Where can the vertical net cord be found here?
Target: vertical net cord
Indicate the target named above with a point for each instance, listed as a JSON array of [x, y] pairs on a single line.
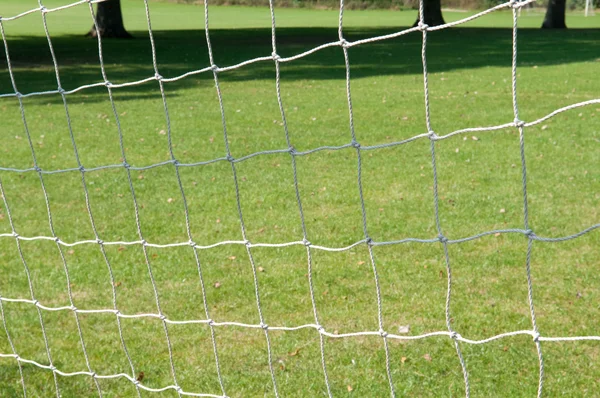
[[368, 240], [101, 243], [184, 201], [22, 257], [85, 190], [443, 239], [520, 125], [298, 200], [2, 314], [263, 325]]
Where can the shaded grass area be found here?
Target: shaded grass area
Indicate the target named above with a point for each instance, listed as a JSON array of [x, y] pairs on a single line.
[[479, 190]]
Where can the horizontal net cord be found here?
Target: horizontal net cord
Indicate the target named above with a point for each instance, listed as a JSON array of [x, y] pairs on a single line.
[[292, 151], [529, 233], [216, 69], [319, 328]]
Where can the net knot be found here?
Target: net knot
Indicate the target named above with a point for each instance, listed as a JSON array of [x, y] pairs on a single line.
[[536, 336], [37, 168], [18, 94], [192, 243], [230, 158], [117, 313], [519, 123], [247, 243], [275, 56], [529, 233], [126, 165], [455, 336], [344, 43], [81, 168], [320, 329], [16, 235], [423, 26], [514, 4], [442, 238], [93, 375], [36, 303], [143, 242], [73, 308], [292, 150], [432, 135], [214, 68], [369, 241], [162, 317], [99, 241], [158, 77], [211, 322], [43, 10], [108, 84], [264, 326], [383, 333], [60, 90], [306, 242], [57, 240], [175, 162], [178, 389], [355, 144], [52, 367]]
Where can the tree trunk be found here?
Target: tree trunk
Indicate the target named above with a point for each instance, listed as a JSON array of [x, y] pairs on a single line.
[[432, 13], [110, 21], [555, 15]]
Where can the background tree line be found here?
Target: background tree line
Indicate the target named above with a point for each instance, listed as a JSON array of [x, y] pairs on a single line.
[[109, 18]]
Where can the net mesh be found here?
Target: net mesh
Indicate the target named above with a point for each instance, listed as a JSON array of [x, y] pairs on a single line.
[[196, 247]]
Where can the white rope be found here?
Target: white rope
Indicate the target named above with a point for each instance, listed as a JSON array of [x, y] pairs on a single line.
[[196, 248]]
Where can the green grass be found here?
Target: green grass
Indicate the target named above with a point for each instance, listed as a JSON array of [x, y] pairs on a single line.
[[470, 85]]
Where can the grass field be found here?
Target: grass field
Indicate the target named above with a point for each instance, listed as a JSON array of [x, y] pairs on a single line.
[[479, 190]]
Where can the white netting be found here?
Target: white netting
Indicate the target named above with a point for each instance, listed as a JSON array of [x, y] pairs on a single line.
[[196, 247]]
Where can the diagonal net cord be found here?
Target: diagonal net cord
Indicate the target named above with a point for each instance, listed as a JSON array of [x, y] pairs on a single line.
[[263, 325], [424, 28], [368, 240], [305, 240], [520, 125], [184, 201]]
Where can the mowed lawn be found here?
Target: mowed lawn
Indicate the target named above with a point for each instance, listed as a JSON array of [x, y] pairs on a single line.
[[479, 183]]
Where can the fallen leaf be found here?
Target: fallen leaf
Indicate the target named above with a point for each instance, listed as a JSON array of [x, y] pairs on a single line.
[[294, 353], [261, 269], [349, 387], [170, 200], [403, 359], [427, 357], [117, 284], [218, 220], [502, 211], [497, 234], [360, 262], [404, 329], [441, 274], [474, 138], [71, 251], [217, 285], [544, 127], [231, 257], [140, 177], [162, 132], [505, 348], [140, 376], [121, 248]]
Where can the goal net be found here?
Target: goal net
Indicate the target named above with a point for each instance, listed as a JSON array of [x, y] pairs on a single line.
[[16, 308]]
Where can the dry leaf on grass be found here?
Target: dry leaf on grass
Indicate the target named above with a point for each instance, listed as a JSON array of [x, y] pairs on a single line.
[[427, 357]]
